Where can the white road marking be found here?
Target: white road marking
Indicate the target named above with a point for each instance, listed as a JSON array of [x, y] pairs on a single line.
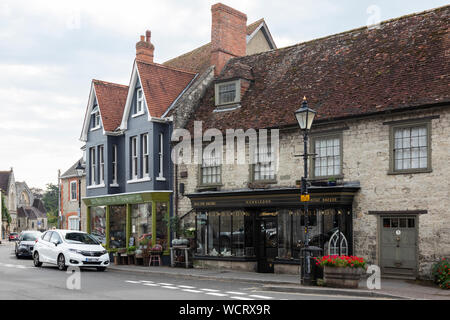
[[165, 284], [129, 281], [192, 291], [210, 290], [187, 287], [145, 281], [151, 284], [242, 298], [217, 294], [169, 287], [238, 293], [260, 297]]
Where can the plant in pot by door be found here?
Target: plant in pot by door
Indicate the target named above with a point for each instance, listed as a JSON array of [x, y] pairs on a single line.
[[342, 271], [116, 256], [123, 255], [131, 251]]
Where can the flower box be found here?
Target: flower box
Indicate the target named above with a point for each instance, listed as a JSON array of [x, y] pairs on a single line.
[[342, 271]]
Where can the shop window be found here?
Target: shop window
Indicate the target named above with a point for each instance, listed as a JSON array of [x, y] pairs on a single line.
[[117, 227], [284, 234], [141, 223], [98, 223], [201, 233], [161, 225], [213, 235], [238, 244], [226, 237]]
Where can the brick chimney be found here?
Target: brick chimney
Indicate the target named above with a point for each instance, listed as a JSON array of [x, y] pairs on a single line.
[[145, 49], [228, 35]]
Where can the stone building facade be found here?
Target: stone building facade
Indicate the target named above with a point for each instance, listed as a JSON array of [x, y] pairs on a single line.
[[373, 90]]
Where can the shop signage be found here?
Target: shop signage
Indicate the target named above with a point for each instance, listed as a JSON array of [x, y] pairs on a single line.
[[105, 201]]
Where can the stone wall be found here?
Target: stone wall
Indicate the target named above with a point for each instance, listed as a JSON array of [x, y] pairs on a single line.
[[366, 159]]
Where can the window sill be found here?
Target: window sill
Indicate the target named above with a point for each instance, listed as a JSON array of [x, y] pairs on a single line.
[[114, 185], [146, 179], [160, 179], [97, 186], [95, 129], [257, 182], [227, 107], [393, 173], [138, 114]]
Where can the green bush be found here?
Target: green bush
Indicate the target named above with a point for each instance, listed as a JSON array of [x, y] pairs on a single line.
[[441, 273]]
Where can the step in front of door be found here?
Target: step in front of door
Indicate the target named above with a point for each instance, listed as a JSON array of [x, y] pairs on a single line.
[[398, 273]]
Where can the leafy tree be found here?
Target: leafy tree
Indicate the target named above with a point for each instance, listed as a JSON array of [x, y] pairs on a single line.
[[50, 199], [5, 213]]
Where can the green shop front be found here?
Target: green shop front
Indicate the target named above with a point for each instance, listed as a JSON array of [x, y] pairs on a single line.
[[264, 230], [131, 220]]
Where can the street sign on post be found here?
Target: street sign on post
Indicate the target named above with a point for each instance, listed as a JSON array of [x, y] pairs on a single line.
[[305, 198]]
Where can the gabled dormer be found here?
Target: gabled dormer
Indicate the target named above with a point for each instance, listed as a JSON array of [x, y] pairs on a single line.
[[231, 86]]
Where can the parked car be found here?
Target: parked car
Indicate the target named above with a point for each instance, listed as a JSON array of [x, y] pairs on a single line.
[[13, 236], [65, 248], [24, 246]]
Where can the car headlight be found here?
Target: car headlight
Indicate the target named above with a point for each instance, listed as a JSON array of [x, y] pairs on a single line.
[[75, 251]]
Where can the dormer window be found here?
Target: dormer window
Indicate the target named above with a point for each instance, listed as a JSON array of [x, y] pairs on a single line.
[[228, 94], [139, 102], [95, 118]]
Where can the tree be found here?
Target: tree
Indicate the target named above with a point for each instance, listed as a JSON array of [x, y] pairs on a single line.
[[50, 199], [5, 213]]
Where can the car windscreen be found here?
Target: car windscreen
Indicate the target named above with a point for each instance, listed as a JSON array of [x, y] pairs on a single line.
[[29, 236], [80, 238]]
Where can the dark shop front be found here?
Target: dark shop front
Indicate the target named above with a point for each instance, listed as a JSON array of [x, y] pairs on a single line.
[[264, 230]]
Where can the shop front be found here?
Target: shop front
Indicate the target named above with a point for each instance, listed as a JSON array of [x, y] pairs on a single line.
[[264, 230], [125, 220]]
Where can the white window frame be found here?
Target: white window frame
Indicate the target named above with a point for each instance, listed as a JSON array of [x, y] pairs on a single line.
[[264, 169], [145, 156], [326, 158], [73, 221], [97, 120], [71, 190], [139, 103], [93, 165], [101, 155], [161, 158], [134, 158], [237, 97], [114, 164], [211, 169]]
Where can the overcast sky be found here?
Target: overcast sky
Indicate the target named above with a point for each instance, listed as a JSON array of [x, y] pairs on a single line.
[[50, 51]]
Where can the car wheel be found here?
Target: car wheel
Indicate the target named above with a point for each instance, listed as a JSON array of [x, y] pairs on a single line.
[[101, 268], [62, 263], [36, 261]]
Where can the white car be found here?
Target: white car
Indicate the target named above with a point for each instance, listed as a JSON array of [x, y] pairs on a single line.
[[66, 248]]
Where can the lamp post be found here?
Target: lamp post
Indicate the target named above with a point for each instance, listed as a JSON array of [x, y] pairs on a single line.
[[305, 117], [80, 171]]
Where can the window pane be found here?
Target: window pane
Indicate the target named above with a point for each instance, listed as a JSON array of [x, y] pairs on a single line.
[[161, 226], [284, 234], [225, 235], [117, 227], [201, 234], [98, 223], [141, 223], [213, 235], [238, 243]]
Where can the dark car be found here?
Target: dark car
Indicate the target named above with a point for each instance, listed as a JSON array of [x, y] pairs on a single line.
[[25, 243], [13, 236]]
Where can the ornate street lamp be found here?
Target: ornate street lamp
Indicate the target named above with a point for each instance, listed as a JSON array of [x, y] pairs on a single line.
[[80, 170], [305, 117]]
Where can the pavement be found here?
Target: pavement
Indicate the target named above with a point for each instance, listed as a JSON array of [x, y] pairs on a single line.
[[390, 288]]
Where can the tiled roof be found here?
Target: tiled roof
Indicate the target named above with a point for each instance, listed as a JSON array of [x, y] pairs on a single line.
[[404, 63], [111, 99], [72, 172], [162, 85], [4, 180], [198, 60]]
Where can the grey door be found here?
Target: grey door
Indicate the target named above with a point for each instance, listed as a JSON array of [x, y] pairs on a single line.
[[398, 248]]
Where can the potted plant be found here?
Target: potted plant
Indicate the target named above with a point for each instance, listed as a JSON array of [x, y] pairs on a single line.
[[142, 256], [122, 255], [342, 271], [116, 256], [332, 181], [131, 251]]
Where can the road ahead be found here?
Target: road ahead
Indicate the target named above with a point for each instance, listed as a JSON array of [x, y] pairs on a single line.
[[19, 279]]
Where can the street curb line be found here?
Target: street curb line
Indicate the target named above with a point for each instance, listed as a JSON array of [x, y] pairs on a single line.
[[331, 291], [328, 291]]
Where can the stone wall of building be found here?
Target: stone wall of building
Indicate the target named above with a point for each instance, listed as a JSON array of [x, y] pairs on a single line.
[[366, 159], [70, 208]]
